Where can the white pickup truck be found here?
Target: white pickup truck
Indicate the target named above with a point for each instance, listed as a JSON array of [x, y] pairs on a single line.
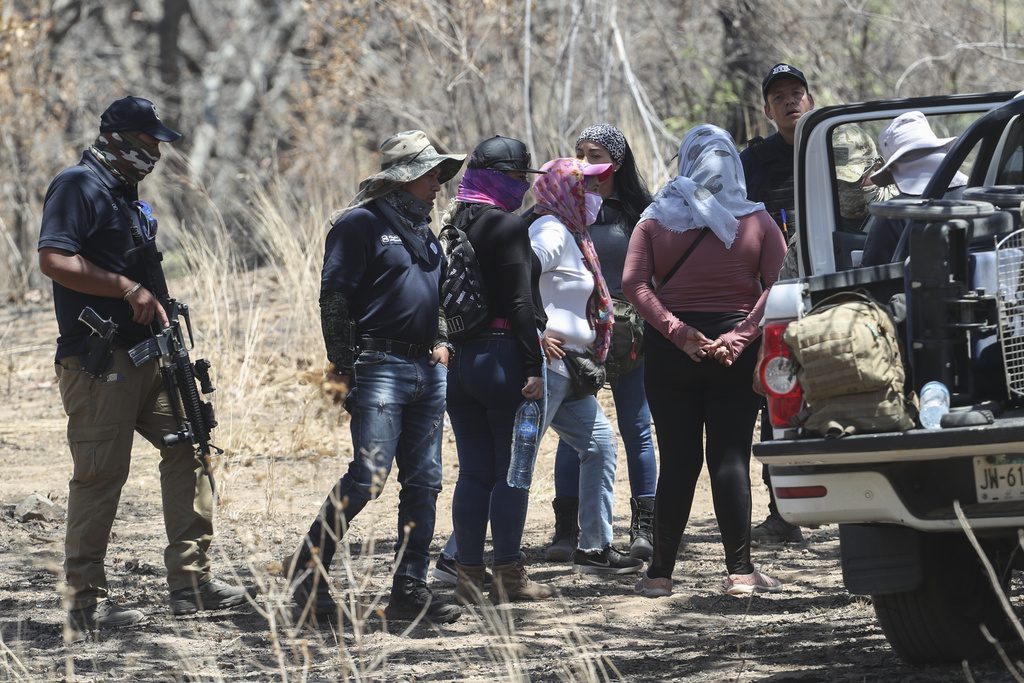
[[960, 278]]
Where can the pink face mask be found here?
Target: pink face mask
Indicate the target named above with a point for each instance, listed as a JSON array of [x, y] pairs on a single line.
[[592, 202]]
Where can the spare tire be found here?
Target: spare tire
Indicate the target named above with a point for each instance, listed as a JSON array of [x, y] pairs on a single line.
[[930, 210], [1003, 196]]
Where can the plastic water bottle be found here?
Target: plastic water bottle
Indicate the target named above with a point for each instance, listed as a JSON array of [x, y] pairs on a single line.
[[934, 404], [525, 441]]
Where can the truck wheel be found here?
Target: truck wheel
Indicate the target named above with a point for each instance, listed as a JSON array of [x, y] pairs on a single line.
[[940, 620], [930, 209]]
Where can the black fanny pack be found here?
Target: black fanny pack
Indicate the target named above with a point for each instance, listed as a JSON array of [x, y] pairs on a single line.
[[586, 376]]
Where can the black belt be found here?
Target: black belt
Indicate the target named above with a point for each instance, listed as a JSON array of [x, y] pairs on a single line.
[[398, 348]]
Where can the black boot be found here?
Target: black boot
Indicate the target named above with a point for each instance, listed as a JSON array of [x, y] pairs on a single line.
[[411, 600], [308, 585], [567, 530], [641, 528], [774, 530]]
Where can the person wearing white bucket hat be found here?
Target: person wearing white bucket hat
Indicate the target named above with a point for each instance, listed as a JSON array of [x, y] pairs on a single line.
[[912, 153]]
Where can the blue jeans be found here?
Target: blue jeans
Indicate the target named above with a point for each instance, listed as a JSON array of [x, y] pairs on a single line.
[[484, 391], [397, 408], [583, 426], [634, 419]]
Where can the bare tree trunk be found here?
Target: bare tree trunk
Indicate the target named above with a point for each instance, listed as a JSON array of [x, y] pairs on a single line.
[[170, 70], [527, 109], [745, 49]]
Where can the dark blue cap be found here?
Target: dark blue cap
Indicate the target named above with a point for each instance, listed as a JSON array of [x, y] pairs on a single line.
[[781, 71], [136, 114]]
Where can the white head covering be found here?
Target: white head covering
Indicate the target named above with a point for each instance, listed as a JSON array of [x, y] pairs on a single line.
[[912, 153], [709, 191]]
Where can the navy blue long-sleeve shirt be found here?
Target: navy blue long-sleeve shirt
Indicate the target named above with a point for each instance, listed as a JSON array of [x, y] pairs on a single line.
[[389, 292]]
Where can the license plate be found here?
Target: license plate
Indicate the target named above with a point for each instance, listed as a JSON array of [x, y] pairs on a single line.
[[999, 477]]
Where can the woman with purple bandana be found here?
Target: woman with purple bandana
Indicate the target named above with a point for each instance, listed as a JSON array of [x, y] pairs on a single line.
[[493, 372]]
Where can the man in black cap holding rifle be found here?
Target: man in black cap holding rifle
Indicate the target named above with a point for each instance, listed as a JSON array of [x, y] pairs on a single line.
[[92, 219]]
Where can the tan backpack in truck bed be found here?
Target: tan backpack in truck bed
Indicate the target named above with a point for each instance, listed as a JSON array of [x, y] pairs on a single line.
[[849, 368]]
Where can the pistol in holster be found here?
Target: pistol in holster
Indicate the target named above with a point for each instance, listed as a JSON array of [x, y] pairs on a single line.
[[99, 345]]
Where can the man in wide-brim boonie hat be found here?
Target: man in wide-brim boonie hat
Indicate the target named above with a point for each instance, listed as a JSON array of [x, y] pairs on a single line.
[[404, 157]]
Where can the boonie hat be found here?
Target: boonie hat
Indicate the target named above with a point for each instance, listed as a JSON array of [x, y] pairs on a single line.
[[404, 157], [501, 154], [854, 152], [136, 114], [778, 71], [912, 153]]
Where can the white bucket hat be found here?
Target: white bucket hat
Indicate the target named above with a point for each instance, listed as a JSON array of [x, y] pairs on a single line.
[[912, 153]]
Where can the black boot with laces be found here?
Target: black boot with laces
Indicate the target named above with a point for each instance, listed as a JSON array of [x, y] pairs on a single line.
[[411, 600]]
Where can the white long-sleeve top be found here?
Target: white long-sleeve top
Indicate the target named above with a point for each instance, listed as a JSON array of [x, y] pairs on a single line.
[[565, 285]]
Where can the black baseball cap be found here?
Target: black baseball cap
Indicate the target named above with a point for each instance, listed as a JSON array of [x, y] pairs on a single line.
[[781, 70], [136, 113], [501, 154]]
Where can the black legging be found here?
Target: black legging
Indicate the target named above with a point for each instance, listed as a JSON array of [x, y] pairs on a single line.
[[687, 398]]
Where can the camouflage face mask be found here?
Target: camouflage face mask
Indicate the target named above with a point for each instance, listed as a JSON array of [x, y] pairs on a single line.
[[128, 156]]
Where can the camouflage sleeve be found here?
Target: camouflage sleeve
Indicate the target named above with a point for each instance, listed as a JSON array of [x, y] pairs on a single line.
[[339, 331], [789, 266], [442, 330]]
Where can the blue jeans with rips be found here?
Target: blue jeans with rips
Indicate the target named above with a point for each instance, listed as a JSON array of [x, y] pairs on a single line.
[[484, 391], [397, 408], [582, 425], [634, 420]]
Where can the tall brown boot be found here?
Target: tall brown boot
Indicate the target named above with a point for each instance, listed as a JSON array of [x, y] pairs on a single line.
[[469, 589], [511, 584]]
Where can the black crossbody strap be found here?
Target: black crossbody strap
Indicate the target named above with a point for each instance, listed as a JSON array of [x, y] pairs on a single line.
[[682, 259]]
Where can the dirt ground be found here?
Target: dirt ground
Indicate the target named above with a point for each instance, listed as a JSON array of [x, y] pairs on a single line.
[[596, 630]]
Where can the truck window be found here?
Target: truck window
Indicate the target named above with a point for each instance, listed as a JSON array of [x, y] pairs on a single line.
[[854, 156], [1011, 164]]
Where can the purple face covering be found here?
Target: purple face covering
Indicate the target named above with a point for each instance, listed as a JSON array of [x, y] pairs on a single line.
[[484, 186]]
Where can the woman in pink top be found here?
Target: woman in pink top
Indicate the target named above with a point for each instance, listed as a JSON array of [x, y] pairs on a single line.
[[701, 340]]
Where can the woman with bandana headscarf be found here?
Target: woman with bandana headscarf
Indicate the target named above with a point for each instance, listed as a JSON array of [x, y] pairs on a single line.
[[694, 270], [579, 320], [625, 197]]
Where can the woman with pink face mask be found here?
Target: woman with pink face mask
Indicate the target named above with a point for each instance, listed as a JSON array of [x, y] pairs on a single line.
[[580, 318]]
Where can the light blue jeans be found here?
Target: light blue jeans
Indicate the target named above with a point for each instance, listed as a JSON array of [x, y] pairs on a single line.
[[582, 424], [635, 429]]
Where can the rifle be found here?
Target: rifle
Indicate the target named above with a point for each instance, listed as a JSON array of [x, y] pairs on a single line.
[[193, 415]]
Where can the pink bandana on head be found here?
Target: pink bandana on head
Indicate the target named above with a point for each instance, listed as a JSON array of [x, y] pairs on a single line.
[[561, 192], [487, 186]]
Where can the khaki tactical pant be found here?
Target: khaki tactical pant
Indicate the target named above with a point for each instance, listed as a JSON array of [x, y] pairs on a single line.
[[103, 417]]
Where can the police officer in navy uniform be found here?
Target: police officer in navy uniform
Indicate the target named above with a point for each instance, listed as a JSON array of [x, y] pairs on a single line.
[[768, 167], [89, 213], [386, 339]]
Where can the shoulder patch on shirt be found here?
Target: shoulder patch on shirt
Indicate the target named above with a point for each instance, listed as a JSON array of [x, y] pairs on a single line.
[[390, 239]]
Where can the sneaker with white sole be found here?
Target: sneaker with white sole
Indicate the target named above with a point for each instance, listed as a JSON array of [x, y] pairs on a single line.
[[653, 588], [754, 582], [607, 561], [446, 571]]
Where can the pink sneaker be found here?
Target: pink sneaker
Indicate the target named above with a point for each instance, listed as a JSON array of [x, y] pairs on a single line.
[[745, 584], [653, 588]]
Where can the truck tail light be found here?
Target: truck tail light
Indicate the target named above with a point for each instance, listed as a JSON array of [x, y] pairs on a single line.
[[777, 373], [800, 492]]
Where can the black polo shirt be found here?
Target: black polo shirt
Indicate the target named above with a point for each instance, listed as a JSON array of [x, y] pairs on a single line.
[[768, 168], [88, 212], [391, 292]]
